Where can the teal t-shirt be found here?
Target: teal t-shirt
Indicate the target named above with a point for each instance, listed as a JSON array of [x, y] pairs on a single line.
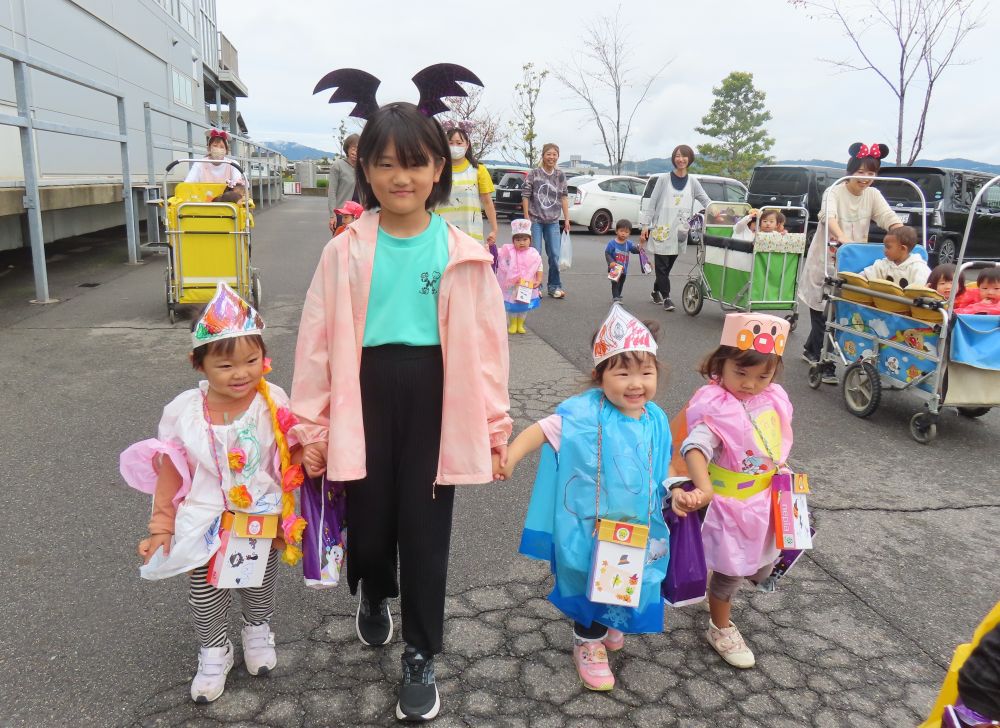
[[403, 302]]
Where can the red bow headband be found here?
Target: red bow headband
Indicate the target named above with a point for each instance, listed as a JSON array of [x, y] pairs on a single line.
[[218, 134], [862, 151]]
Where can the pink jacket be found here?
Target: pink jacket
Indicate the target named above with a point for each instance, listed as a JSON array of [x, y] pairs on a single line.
[[473, 330]]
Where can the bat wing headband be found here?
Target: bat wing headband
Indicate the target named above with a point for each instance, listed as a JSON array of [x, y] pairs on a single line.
[[434, 83]]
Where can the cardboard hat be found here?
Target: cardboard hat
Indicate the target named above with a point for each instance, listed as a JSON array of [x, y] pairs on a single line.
[[225, 317], [520, 227], [621, 332], [758, 331]]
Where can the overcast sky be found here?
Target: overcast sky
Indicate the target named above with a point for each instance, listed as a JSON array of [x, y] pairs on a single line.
[[817, 111]]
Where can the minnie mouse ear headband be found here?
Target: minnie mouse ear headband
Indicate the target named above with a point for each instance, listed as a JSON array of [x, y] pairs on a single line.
[[862, 151], [621, 332], [434, 83], [215, 133]]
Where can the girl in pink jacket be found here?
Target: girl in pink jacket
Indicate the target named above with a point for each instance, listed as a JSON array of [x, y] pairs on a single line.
[[400, 384]]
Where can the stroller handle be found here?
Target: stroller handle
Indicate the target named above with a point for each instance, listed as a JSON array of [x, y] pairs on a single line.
[[192, 161]]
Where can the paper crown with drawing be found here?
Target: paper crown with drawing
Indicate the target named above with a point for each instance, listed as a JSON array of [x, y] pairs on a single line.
[[758, 331], [225, 317], [621, 332]]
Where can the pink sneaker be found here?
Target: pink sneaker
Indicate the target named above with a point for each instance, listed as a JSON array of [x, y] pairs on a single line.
[[591, 660], [614, 640]]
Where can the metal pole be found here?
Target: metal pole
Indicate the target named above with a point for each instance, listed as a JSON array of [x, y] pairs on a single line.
[[32, 202], [190, 134], [218, 107], [130, 231], [152, 215]]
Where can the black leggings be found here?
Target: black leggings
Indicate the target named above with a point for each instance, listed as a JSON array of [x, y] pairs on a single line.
[[397, 508], [617, 287], [662, 264]]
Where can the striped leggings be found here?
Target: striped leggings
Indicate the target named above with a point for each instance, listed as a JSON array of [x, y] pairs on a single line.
[[210, 606]]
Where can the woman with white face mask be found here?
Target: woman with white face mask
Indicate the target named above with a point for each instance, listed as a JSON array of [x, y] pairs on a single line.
[[212, 169], [471, 188]]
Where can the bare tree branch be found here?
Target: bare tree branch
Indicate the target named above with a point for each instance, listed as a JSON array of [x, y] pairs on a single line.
[[485, 129], [926, 32]]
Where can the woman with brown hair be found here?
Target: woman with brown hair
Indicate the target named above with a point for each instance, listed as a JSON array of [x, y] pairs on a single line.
[[666, 219], [341, 185]]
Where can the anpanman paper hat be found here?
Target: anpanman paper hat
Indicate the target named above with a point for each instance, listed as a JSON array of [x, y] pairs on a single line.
[[758, 331], [226, 316], [520, 227], [621, 332]]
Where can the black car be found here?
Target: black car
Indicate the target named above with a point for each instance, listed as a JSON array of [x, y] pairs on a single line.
[[507, 199], [949, 194], [792, 185]]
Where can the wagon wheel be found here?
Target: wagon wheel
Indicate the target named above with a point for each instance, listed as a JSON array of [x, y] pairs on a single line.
[[166, 295], [793, 321], [692, 298], [923, 429], [815, 375], [256, 289], [973, 412], [862, 389]]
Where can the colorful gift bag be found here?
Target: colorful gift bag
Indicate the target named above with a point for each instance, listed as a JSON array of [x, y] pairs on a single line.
[[245, 543], [791, 512], [687, 574], [617, 563], [324, 541], [644, 263]]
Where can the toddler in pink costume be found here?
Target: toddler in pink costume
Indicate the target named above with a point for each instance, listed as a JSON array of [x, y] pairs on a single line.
[[519, 272], [739, 435]]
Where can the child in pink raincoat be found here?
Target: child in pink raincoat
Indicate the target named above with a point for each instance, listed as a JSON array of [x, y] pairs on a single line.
[[519, 271], [739, 435]]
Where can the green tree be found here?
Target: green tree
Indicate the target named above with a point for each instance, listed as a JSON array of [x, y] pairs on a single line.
[[736, 120], [520, 145]]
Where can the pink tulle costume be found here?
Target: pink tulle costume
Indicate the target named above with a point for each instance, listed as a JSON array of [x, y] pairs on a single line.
[[514, 266], [740, 440]]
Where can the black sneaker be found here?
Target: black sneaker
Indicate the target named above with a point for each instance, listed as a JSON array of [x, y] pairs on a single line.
[[418, 693], [657, 298], [373, 621], [668, 305]]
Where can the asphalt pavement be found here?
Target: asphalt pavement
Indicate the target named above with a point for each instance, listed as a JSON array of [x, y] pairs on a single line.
[[858, 634]]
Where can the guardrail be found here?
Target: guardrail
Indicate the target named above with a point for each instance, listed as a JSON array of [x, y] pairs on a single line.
[[27, 125]]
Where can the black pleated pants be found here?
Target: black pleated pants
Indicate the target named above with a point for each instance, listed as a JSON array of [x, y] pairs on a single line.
[[397, 510]]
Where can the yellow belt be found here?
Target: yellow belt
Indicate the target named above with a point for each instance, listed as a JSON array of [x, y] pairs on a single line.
[[738, 485]]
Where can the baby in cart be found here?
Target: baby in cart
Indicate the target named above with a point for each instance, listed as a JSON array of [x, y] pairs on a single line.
[[985, 297], [768, 221], [899, 265]]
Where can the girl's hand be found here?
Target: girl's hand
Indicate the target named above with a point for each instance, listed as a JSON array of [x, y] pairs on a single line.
[[684, 502], [491, 239], [501, 471], [333, 225], [148, 546], [314, 459], [644, 235]]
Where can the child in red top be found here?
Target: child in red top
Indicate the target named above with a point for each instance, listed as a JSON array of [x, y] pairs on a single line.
[[986, 296]]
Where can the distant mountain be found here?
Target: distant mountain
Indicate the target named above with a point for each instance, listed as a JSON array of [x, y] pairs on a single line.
[[955, 163], [295, 152]]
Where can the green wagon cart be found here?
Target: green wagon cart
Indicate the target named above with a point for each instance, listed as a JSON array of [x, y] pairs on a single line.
[[745, 275]]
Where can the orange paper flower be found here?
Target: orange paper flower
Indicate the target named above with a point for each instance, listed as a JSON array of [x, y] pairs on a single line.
[[293, 528], [286, 419], [237, 459], [267, 365], [240, 497], [292, 478]]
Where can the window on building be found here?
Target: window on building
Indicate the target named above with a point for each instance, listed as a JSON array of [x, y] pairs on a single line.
[[183, 88]]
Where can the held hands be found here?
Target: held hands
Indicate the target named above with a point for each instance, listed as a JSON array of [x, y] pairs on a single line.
[[501, 467], [148, 546], [314, 458], [491, 239], [333, 225], [684, 502], [644, 236]]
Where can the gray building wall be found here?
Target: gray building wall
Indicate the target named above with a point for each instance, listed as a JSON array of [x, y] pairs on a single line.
[[140, 47]]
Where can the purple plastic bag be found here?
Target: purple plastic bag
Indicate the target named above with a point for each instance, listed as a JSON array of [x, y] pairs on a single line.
[[687, 574], [324, 541], [496, 256], [644, 263]]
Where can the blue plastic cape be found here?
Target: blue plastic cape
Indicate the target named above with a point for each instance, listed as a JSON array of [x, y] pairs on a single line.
[[559, 525], [976, 341]]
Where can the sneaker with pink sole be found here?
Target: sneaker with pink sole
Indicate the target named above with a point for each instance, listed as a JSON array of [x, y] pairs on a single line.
[[728, 642], [614, 640], [591, 659]]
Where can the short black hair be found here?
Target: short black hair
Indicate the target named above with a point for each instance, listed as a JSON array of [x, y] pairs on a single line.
[[988, 275], [419, 140], [905, 236], [868, 164], [223, 347], [468, 144], [623, 223], [711, 366]]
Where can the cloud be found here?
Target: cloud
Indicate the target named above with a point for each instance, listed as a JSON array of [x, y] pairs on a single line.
[[817, 112]]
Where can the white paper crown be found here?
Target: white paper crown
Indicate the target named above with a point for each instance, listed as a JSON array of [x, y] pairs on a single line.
[[226, 316], [520, 227], [621, 332]]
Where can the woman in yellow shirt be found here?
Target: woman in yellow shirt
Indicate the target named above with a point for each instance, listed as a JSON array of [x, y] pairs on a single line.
[[471, 188]]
